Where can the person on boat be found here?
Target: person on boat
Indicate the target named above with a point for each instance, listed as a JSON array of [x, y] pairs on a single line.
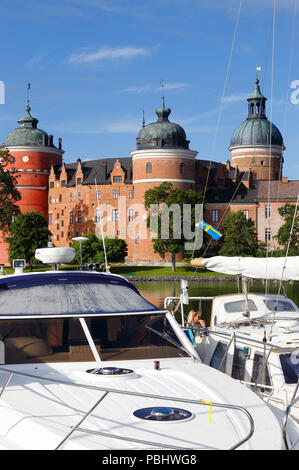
[[194, 320]]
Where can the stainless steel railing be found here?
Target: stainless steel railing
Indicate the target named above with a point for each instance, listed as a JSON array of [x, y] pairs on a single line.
[[106, 391], [286, 416]]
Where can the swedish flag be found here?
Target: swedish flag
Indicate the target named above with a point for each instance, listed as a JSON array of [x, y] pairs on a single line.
[[210, 230]]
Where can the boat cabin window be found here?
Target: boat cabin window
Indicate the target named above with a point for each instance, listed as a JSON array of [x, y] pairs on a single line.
[[290, 368], [260, 373], [239, 364], [280, 305], [217, 359], [239, 306], [63, 339]]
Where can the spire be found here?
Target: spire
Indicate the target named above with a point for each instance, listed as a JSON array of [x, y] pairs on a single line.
[[163, 112], [28, 100], [162, 86], [143, 120], [257, 101], [28, 120]]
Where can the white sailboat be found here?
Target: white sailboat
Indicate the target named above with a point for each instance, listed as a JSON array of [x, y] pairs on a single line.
[[254, 337]]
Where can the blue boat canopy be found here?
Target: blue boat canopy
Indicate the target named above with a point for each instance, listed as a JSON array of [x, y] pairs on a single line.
[[70, 294]]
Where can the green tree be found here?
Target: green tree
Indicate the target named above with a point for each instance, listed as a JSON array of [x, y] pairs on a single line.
[[93, 250], [28, 232], [239, 236], [289, 231], [9, 194], [167, 208]]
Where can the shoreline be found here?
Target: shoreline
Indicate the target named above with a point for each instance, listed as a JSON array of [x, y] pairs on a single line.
[[180, 278]]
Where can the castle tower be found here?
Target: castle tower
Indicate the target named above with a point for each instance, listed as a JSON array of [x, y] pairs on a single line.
[[257, 144], [33, 152], [162, 155]]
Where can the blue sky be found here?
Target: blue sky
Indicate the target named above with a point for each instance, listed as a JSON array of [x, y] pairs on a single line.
[[94, 65]]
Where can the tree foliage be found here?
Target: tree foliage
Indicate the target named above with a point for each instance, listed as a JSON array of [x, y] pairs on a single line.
[[289, 231], [9, 194], [167, 209], [28, 232], [93, 250], [239, 236]]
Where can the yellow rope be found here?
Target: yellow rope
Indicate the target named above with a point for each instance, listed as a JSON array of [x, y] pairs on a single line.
[[210, 409]]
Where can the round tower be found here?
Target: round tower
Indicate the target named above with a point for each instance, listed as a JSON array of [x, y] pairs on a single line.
[[33, 152], [162, 155], [257, 144]]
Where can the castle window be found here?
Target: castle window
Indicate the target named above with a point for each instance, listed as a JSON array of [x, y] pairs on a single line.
[[267, 235], [117, 179], [63, 183], [52, 184], [60, 197], [79, 180], [262, 162], [115, 194], [114, 215], [137, 238], [99, 194], [182, 168], [71, 197], [71, 217], [79, 217], [245, 212], [148, 167], [99, 215], [131, 215], [79, 196], [50, 219], [62, 234], [131, 193], [50, 199], [267, 211], [215, 215]]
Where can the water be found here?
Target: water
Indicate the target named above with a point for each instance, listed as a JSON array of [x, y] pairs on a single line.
[[155, 292]]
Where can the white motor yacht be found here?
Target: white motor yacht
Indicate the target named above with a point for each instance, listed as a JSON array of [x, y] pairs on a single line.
[[88, 363]]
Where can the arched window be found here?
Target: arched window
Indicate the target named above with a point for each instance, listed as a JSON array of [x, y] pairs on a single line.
[[182, 167], [148, 167]]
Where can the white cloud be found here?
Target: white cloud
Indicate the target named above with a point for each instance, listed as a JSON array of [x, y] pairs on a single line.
[[235, 98], [155, 89], [108, 53], [123, 127]]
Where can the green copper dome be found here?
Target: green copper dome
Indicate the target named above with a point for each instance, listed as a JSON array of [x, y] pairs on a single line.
[[162, 134], [27, 134], [257, 129]]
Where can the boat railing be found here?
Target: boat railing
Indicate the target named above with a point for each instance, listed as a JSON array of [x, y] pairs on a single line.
[[286, 417], [78, 428]]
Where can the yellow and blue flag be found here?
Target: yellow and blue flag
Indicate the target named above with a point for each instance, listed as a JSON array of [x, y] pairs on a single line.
[[210, 230]]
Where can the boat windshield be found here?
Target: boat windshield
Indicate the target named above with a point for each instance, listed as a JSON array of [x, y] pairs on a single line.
[[124, 337], [290, 367], [280, 305]]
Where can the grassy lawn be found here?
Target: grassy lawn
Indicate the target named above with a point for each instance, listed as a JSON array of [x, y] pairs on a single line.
[[137, 270], [160, 271]]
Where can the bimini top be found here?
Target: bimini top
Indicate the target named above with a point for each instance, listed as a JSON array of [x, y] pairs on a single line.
[[73, 293]]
